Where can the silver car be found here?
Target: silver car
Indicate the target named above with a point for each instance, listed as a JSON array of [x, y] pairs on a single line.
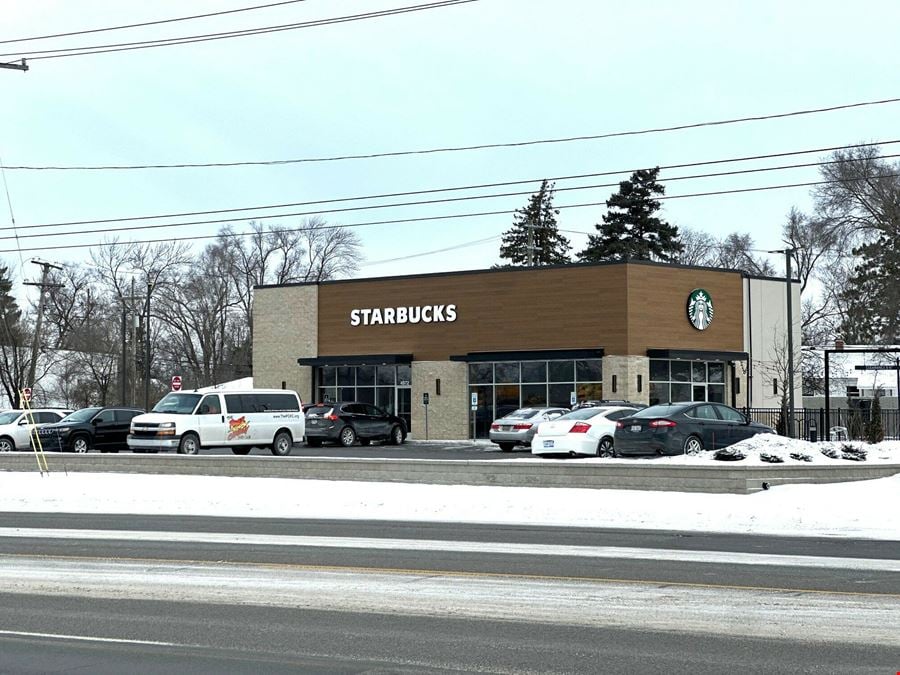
[[518, 427]]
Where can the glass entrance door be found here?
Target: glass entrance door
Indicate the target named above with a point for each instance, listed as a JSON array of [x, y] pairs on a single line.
[[404, 406]]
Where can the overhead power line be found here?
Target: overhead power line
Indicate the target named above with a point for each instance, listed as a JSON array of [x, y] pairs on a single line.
[[151, 23], [463, 148], [419, 219], [240, 213], [189, 39]]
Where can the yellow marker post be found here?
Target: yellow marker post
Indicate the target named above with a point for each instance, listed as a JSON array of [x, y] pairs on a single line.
[[35, 438]]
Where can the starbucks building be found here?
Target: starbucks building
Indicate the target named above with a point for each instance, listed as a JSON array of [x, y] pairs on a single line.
[[476, 345]]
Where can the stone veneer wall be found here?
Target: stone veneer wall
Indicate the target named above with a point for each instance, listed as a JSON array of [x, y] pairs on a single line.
[[447, 413], [285, 328], [626, 369]]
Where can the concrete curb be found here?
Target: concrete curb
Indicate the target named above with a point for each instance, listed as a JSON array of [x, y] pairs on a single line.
[[726, 478]]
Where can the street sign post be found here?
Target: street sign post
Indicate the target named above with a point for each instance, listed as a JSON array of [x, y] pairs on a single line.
[[425, 401], [176, 383]]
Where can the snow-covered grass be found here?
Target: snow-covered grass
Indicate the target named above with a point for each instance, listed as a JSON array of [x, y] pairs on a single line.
[[868, 509], [886, 452]]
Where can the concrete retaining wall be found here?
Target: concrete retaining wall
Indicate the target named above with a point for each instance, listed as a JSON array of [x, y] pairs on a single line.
[[725, 478]]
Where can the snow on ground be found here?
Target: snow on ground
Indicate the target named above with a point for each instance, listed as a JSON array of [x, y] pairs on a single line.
[[867, 509]]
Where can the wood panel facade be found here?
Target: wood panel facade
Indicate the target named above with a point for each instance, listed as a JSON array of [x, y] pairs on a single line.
[[622, 308], [657, 309]]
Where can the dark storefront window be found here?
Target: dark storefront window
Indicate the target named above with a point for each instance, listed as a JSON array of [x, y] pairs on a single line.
[[686, 381], [388, 387], [481, 373], [505, 386]]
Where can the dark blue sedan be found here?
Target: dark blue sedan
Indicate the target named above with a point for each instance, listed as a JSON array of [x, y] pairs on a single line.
[[683, 428]]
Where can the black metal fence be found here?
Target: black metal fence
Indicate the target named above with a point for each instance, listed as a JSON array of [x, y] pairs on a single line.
[[843, 424]]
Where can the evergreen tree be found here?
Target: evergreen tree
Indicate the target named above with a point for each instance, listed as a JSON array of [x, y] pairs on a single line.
[[549, 247], [875, 427], [14, 357], [872, 296], [630, 230], [9, 308]]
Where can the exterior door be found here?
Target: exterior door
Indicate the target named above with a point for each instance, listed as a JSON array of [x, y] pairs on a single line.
[[404, 406]]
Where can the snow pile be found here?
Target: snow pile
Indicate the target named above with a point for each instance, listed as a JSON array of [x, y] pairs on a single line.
[[795, 451], [869, 509]]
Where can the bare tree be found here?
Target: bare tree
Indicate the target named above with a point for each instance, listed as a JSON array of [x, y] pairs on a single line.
[[699, 248], [203, 319], [332, 251], [862, 194], [736, 252]]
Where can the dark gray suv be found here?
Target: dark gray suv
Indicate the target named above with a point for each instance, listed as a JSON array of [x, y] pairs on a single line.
[[345, 423]]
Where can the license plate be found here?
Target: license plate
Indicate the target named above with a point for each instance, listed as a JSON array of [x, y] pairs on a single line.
[[635, 427], [548, 444]]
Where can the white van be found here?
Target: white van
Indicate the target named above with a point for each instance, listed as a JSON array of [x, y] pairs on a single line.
[[238, 419]]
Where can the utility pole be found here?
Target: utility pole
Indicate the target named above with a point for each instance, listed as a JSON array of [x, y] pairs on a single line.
[[35, 343], [15, 66], [129, 354], [147, 347], [788, 256]]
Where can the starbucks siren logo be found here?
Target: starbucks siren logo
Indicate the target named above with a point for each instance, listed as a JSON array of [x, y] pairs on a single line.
[[700, 309]]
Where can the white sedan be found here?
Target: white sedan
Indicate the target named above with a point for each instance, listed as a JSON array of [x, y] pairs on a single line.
[[586, 431]]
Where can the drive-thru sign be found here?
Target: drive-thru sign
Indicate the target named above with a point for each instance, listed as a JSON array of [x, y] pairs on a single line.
[[176, 382]]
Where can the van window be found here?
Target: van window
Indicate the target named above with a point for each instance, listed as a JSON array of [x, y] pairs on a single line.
[[278, 402], [251, 403], [212, 406], [239, 403], [177, 403]]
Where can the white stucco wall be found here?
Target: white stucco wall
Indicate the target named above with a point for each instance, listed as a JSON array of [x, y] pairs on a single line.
[[765, 339]]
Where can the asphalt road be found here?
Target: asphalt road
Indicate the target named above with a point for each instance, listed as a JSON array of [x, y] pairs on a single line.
[[153, 594], [409, 450]]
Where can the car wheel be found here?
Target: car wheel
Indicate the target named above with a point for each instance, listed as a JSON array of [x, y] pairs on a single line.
[[506, 447], [189, 445], [281, 446], [692, 445], [6, 444], [313, 442], [347, 437], [605, 448], [81, 444], [243, 450], [397, 436]]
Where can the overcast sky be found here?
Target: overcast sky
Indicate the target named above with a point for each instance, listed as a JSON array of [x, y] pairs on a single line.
[[485, 72]]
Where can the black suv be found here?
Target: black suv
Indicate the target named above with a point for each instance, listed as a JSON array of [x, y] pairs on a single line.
[[105, 429], [344, 423]]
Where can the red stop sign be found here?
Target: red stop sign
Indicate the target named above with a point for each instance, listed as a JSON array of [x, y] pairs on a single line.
[[176, 382], [26, 394]]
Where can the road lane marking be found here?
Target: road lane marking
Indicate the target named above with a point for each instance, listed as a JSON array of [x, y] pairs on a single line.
[[613, 552], [89, 638]]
